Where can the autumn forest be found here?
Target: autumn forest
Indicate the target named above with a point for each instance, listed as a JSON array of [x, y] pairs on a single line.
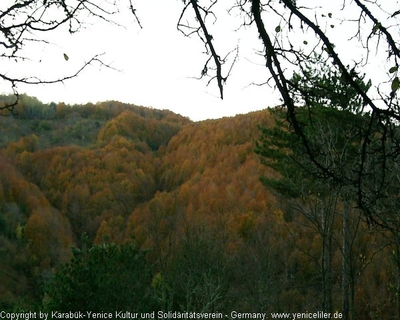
[[112, 206]]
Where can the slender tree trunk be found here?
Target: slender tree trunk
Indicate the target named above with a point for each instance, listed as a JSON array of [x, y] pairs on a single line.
[[346, 264], [326, 265], [398, 290], [351, 304], [397, 261], [323, 274], [329, 273]]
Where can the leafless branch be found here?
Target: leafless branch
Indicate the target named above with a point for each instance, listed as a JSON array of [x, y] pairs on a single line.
[[25, 21]]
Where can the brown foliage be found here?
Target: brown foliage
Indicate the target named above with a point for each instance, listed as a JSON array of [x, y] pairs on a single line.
[[49, 237]]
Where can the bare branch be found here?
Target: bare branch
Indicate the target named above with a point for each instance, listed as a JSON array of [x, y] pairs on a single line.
[[378, 25], [24, 22], [209, 42]]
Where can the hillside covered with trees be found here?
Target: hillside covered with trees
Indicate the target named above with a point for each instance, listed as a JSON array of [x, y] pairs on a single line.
[[171, 215]]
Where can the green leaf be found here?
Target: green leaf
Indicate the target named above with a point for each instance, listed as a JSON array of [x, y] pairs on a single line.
[[395, 84], [393, 69], [66, 57], [330, 15], [278, 29]]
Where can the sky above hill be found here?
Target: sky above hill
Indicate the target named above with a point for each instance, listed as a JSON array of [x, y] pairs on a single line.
[[156, 66]]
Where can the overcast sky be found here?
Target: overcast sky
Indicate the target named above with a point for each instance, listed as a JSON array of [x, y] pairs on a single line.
[[155, 66]]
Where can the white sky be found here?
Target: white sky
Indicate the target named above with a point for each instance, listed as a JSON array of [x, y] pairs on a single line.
[[158, 65]]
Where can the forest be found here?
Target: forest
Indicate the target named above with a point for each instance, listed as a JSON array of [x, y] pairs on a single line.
[[115, 207]]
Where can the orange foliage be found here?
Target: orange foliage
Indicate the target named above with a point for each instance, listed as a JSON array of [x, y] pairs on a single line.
[[49, 237], [111, 230], [155, 176], [211, 176]]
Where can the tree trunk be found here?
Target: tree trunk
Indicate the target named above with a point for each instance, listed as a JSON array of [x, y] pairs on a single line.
[[397, 261], [326, 264], [346, 264], [328, 274]]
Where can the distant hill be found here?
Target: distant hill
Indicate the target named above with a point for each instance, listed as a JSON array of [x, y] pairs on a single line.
[[118, 171], [66, 169], [60, 124]]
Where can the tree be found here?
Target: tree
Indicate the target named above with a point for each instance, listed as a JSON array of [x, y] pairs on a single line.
[[335, 137], [197, 276], [49, 237], [389, 211], [104, 278]]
